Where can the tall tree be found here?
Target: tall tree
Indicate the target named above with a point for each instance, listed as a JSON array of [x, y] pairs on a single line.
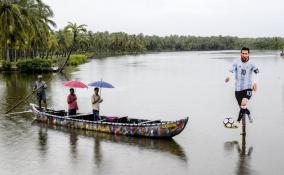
[[11, 25], [24, 24], [76, 30]]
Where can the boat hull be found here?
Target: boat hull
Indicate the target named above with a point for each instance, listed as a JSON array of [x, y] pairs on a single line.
[[167, 129]]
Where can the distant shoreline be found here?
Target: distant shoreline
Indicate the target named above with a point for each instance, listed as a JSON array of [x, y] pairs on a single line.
[[91, 55]]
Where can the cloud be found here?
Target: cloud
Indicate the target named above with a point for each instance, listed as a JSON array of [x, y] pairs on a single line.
[[184, 17]]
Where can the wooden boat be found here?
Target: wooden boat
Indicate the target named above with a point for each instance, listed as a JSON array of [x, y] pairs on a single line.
[[113, 125]]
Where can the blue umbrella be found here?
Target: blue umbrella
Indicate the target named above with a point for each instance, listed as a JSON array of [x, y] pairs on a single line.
[[101, 84]]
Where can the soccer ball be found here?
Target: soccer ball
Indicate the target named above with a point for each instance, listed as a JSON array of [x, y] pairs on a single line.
[[229, 123]]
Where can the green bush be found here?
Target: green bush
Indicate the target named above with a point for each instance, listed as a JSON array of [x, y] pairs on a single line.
[[34, 65], [6, 66], [77, 59]]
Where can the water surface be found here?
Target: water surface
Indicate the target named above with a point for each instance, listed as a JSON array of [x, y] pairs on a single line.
[[169, 86]]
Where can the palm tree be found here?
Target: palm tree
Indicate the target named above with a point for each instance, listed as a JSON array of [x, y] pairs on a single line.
[[24, 24], [52, 45], [64, 39], [76, 30], [38, 22], [11, 25]]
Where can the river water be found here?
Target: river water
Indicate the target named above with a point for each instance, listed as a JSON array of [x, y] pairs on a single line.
[[168, 86]]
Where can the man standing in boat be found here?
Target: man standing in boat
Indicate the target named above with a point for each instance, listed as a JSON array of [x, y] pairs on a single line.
[[72, 103], [245, 82], [96, 100], [39, 87]]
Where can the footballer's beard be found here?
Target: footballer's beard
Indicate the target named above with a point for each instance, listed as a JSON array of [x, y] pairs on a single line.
[[244, 59]]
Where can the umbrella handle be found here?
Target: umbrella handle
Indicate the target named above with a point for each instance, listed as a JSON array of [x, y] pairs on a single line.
[[101, 88]]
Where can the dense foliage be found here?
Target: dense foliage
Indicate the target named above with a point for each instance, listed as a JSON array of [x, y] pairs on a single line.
[[24, 28], [77, 59], [122, 42], [34, 65], [6, 66]]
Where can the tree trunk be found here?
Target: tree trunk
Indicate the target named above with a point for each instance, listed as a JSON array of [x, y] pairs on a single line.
[[47, 54], [32, 53], [51, 55], [15, 58], [8, 54], [66, 61]]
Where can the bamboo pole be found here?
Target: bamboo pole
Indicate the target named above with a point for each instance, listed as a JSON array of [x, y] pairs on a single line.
[[24, 99]]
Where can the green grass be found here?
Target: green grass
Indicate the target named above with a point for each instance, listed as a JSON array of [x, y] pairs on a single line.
[[77, 59]]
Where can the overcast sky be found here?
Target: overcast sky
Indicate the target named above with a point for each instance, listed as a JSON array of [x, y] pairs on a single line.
[[243, 18]]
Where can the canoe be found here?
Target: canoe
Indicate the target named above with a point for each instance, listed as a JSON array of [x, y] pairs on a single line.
[[110, 124]]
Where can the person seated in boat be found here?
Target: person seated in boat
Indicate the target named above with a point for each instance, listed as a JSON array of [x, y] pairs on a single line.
[[39, 87], [96, 100], [72, 103]]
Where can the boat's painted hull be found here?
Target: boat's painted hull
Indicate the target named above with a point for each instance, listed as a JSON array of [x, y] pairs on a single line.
[[166, 129]]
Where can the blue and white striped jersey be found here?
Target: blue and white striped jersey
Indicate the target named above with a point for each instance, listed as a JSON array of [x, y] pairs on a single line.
[[243, 74]]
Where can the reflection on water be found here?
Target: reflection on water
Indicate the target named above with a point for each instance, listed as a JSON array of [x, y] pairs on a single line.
[[42, 140], [161, 145], [73, 143], [98, 152], [243, 167]]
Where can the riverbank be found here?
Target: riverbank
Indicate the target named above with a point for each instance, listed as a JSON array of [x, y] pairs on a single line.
[[41, 65], [38, 65]]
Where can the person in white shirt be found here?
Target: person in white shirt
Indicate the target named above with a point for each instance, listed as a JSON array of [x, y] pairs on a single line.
[[40, 86], [96, 100], [245, 72]]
